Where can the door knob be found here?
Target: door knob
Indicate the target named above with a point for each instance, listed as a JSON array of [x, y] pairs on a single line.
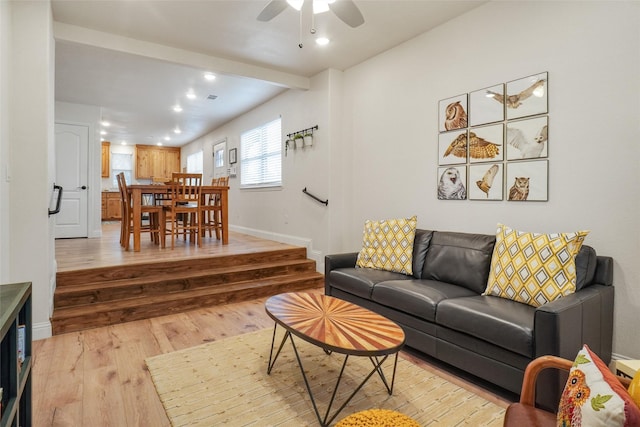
[[84, 187]]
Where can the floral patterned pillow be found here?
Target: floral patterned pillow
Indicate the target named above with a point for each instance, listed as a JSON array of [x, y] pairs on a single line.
[[594, 397]]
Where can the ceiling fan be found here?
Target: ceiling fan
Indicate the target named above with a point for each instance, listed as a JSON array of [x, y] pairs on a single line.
[[345, 10]]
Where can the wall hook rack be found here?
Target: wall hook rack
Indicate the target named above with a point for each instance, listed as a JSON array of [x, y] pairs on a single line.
[[302, 132], [306, 134]]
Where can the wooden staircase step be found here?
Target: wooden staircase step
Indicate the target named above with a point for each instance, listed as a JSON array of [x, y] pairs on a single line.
[[174, 281], [178, 266], [70, 319]]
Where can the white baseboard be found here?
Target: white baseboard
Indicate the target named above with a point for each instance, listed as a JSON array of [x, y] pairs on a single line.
[[284, 238], [41, 331]]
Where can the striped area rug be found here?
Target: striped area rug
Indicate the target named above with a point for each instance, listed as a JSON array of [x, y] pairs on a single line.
[[226, 383]]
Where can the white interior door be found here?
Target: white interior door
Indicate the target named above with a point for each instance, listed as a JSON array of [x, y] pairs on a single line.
[[72, 158]]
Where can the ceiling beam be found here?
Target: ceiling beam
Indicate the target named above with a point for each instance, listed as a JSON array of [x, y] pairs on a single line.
[[74, 34]]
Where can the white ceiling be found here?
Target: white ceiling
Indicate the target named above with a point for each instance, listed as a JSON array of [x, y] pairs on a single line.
[[136, 93]]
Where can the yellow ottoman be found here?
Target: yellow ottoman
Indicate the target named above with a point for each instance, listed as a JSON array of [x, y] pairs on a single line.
[[377, 418]]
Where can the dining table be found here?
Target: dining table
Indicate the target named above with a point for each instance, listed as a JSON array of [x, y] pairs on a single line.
[[138, 190]]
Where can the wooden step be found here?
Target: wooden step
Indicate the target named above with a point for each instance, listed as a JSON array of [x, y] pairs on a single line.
[[174, 281], [180, 265], [108, 295], [77, 318]]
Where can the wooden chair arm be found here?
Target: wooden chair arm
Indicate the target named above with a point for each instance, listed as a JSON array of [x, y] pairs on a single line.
[[528, 392]]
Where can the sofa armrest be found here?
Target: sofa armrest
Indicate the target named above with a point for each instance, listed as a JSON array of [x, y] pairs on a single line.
[[585, 317], [334, 261]]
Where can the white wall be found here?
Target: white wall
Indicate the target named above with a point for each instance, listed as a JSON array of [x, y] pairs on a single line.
[[5, 120], [30, 143], [284, 214], [376, 155], [592, 53]]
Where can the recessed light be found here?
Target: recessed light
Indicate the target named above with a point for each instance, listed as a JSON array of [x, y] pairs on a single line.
[[177, 108], [159, 143], [191, 95], [177, 130], [167, 138], [322, 41], [123, 143], [105, 123], [209, 76], [103, 132]]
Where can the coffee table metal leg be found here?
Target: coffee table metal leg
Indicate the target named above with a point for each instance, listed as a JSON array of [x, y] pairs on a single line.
[[273, 339], [377, 367]]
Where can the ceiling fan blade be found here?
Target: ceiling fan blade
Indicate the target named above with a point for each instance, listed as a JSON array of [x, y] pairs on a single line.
[[348, 12], [272, 9]]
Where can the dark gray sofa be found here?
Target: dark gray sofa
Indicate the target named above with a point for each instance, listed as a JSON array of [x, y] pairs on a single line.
[[444, 315]]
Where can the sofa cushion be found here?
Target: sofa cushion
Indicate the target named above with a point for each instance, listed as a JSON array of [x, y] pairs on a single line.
[[388, 245], [533, 268], [421, 243], [416, 297], [360, 281], [498, 321], [462, 259], [586, 262], [593, 396]]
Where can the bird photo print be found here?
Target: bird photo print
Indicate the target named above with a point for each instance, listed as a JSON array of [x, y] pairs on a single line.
[[527, 181], [452, 113], [525, 97], [485, 182], [528, 139], [452, 183], [486, 143], [483, 109], [452, 147]]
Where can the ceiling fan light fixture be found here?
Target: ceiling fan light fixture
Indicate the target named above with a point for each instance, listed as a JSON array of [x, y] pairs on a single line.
[[296, 4]]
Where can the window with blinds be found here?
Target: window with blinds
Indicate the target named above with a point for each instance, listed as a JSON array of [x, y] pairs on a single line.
[[261, 156], [194, 162], [121, 162]]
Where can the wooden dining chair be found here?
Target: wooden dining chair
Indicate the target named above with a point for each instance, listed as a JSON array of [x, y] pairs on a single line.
[[184, 209], [156, 226], [212, 209]]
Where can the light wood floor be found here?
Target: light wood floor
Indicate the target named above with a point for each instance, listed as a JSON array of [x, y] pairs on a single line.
[[74, 254], [98, 377]]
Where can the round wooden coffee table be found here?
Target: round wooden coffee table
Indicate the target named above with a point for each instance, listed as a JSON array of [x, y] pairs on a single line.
[[336, 326]]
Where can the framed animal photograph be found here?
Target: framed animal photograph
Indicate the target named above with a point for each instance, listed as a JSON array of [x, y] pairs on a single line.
[[528, 139], [484, 106], [452, 183], [486, 144], [452, 113], [527, 181], [485, 181], [527, 96], [452, 147]]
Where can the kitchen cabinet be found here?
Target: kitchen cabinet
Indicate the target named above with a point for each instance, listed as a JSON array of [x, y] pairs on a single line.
[[106, 152], [156, 162], [15, 348], [111, 207]]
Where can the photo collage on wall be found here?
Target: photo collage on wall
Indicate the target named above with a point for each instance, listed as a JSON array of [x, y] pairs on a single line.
[[493, 143]]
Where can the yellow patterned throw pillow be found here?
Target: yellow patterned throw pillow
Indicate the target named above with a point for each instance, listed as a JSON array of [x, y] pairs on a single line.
[[533, 268], [388, 245]]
